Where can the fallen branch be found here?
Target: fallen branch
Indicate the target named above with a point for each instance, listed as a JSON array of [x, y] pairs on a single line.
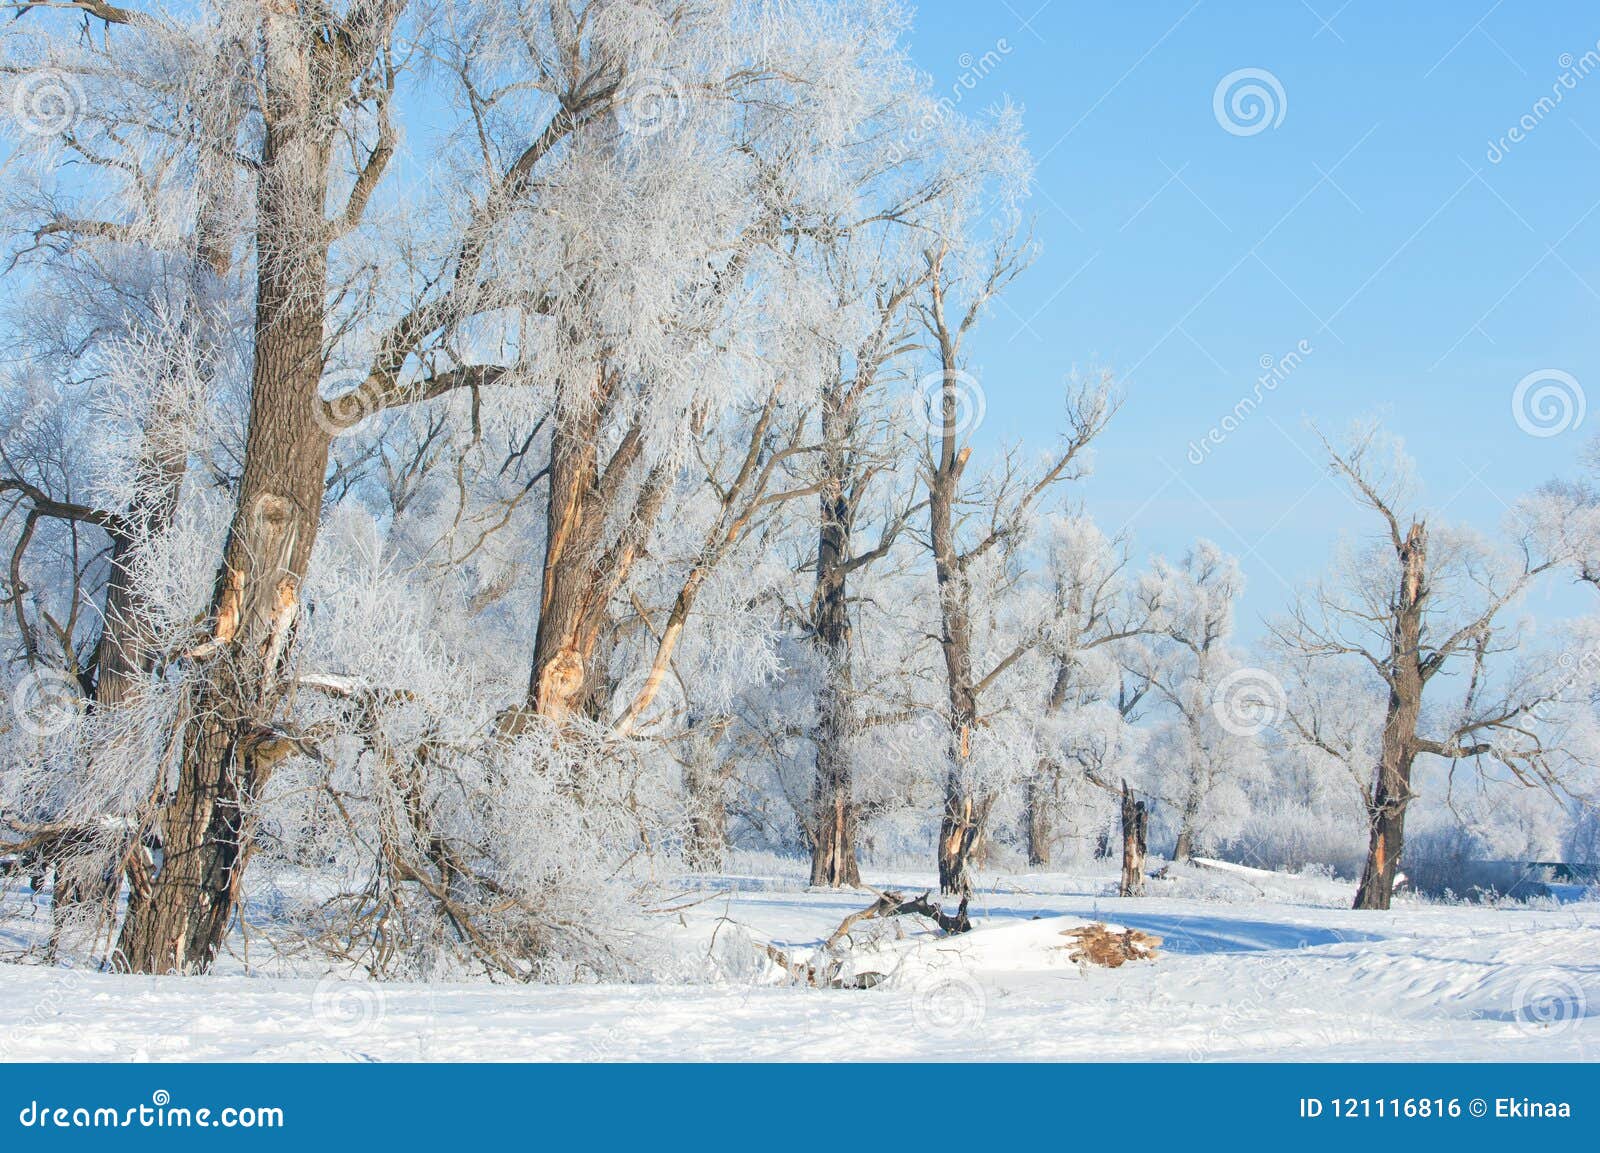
[[887, 906], [895, 905]]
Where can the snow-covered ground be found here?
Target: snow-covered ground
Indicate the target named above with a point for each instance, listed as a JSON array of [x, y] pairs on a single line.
[[1255, 966]]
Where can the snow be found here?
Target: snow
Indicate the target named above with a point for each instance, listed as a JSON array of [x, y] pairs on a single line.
[[1255, 966]]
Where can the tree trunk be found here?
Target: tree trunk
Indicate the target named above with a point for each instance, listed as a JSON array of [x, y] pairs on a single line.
[[965, 813], [964, 809], [833, 805], [1045, 785], [178, 918], [1386, 814], [1183, 848], [706, 842], [1376, 890], [87, 867], [568, 622], [1135, 842], [581, 573], [1391, 794], [1037, 817]]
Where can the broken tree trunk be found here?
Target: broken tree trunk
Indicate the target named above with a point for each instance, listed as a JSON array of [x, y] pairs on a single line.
[[959, 832], [892, 904], [1386, 811]]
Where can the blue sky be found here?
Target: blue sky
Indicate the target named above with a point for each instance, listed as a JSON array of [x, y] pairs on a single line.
[[1368, 220]]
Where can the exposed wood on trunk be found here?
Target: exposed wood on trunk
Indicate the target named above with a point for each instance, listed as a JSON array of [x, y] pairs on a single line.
[[582, 569], [1414, 649], [1392, 794], [177, 922]]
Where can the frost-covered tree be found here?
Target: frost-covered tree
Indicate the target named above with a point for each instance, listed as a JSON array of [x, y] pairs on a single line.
[[1424, 601], [495, 365], [1095, 609], [1206, 753], [979, 525], [861, 450], [1312, 807]]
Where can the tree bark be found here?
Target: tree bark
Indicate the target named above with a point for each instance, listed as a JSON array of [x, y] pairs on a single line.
[[177, 919], [87, 870], [582, 571], [833, 806], [964, 808], [1037, 818], [1135, 843], [1183, 849], [706, 840], [1391, 794]]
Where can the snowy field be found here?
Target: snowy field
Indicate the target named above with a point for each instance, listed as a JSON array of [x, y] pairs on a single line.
[[1255, 966]]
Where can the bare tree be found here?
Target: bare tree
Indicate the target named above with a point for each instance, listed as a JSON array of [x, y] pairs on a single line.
[[858, 446], [313, 128], [1412, 608], [951, 306]]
